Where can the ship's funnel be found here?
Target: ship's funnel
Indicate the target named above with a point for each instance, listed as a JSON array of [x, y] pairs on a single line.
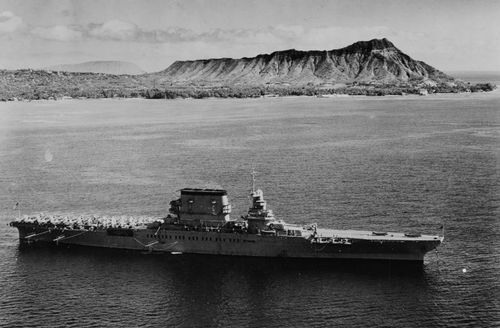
[[203, 206]]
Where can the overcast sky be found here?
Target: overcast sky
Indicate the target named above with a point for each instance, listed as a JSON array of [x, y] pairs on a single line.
[[447, 34]]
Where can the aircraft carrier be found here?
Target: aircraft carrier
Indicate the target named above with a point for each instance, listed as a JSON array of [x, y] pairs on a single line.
[[199, 222]]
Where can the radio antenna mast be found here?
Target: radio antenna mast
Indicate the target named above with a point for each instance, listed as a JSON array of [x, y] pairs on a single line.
[[253, 173]]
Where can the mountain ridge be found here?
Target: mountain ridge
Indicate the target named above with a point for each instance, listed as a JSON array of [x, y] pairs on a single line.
[[374, 68], [376, 60], [114, 67]]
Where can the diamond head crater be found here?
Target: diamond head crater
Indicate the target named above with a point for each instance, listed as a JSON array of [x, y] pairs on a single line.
[[373, 68]]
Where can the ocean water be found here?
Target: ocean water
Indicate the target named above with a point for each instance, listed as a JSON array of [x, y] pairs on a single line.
[[388, 163], [477, 76]]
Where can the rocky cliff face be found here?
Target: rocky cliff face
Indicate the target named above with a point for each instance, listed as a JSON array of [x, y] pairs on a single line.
[[106, 67], [377, 60]]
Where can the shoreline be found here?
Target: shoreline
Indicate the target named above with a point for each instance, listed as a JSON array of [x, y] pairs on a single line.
[[327, 96], [28, 86]]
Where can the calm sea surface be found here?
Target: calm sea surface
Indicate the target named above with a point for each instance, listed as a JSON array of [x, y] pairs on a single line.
[[390, 163]]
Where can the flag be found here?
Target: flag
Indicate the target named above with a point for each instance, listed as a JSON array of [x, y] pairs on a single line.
[[16, 206]]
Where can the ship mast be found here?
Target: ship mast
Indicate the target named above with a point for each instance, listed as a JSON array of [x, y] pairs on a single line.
[[253, 173]]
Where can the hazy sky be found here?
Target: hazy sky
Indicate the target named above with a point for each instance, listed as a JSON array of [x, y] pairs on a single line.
[[447, 34]]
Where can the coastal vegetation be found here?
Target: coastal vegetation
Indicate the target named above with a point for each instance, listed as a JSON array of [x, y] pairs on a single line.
[[371, 68], [41, 84], [350, 89]]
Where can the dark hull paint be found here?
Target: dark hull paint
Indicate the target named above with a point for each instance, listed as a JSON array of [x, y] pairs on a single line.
[[228, 244]]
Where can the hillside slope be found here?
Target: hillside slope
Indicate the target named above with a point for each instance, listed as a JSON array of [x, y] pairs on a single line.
[[106, 67], [373, 68], [377, 60]]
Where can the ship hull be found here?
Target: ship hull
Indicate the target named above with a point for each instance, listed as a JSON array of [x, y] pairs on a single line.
[[230, 244]]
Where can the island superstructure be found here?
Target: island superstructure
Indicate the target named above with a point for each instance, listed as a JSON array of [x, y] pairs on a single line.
[[199, 222]]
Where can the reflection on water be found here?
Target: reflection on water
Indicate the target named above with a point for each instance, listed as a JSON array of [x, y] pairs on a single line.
[[190, 290]]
